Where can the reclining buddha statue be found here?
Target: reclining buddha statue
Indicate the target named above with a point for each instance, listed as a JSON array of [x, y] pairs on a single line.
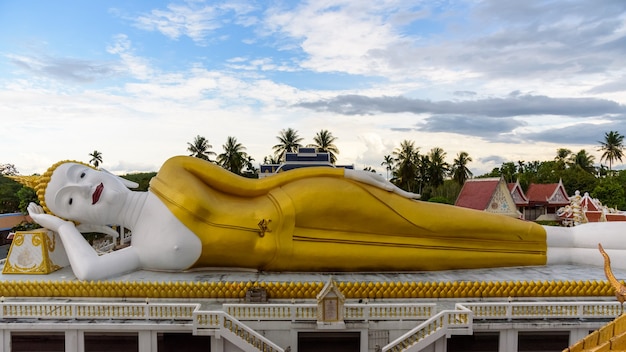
[[317, 219]]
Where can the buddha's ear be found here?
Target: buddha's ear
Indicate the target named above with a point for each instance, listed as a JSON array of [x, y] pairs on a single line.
[[125, 182]]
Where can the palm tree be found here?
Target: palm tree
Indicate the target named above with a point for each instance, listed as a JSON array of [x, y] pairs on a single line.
[[583, 161], [234, 157], [388, 163], [460, 171], [406, 161], [438, 167], [249, 166], [200, 148], [324, 143], [369, 169], [96, 158], [289, 143], [613, 147], [271, 159], [562, 155]]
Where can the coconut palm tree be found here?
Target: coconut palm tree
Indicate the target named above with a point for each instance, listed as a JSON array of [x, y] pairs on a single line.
[[388, 163], [289, 143], [583, 160], [562, 155], [234, 158], [96, 158], [613, 147], [271, 159], [324, 142], [200, 148], [406, 161], [438, 167], [460, 171]]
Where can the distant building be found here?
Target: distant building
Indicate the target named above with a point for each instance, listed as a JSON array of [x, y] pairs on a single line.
[[544, 200], [305, 157], [519, 197], [489, 194]]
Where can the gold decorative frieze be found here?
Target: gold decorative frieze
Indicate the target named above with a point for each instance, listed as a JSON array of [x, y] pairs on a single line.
[[305, 290]]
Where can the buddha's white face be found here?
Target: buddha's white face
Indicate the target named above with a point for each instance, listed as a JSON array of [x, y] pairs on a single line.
[[80, 193]]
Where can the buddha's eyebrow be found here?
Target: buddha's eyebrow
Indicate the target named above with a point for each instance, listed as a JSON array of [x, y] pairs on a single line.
[[74, 171]]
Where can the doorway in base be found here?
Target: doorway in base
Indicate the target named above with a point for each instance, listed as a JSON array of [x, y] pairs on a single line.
[[329, 341]]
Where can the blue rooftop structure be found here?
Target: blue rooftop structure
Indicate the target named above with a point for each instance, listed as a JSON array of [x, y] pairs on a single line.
[[305, 157]]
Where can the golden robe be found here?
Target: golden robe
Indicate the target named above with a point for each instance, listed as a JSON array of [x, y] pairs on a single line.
[[315, 219]]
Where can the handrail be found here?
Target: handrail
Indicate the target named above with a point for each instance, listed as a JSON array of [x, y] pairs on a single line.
[[352, 311], [97, 310], [444, 323], [543, 310], [240, 334]]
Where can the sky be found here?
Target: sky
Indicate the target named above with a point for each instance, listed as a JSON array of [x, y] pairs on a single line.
[[504, 81]]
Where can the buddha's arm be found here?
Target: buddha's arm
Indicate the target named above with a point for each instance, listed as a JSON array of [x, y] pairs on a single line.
[[376, 180], [180, 167], [85, 261], [229, 183]]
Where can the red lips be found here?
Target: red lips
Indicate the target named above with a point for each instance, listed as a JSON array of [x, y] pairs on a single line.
[[96, 195]]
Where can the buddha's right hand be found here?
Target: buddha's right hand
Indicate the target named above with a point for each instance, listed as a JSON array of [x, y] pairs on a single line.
[[48, 221]]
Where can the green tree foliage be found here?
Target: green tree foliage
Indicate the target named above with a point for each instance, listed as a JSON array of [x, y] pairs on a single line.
[[141, 178], [448, 191], [460, 171], [271, 159], [438, 168], [325, 142], [406, 161], [234, 158], [289, 142], [576, 179], [388, 163], [612, 147], [610, 193], [584, 161], [440, 199], [26, 195], [8, 170], [9, 201], [200, 148], [96, 158]]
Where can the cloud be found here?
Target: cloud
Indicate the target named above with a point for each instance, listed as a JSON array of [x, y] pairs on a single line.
[[513, 105], [470, 125], [579, 134], [618, 85], [136, 66], [194, 19], [66, 69]]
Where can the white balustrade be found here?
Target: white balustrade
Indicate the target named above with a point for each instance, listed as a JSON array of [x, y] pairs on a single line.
[[308, 312], [542, 310]]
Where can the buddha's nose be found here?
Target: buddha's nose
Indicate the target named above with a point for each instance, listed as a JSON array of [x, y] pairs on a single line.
[[84, 189]]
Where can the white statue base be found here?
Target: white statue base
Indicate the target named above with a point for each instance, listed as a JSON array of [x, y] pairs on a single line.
[[35, 252]]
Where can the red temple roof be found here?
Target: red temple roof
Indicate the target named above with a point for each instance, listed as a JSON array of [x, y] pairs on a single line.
[[547, 194], [476, 193]]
